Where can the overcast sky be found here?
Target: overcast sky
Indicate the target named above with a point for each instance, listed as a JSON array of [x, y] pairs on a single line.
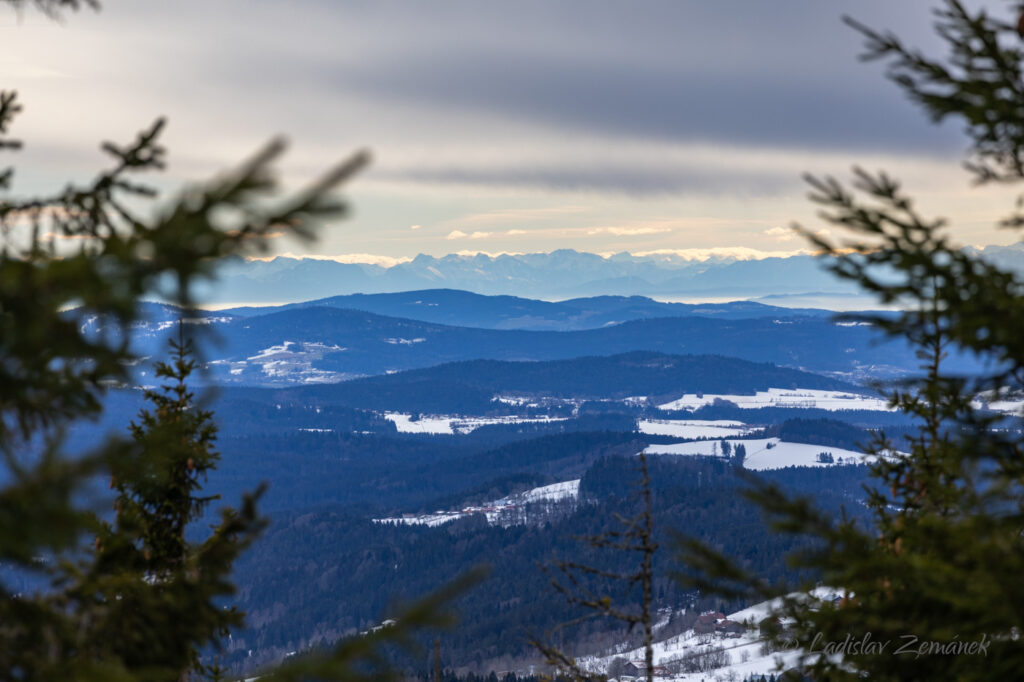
[[502, 127]]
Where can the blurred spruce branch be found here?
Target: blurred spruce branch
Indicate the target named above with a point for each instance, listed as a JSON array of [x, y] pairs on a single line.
[[131, 599], [941, 558], [573, 581]]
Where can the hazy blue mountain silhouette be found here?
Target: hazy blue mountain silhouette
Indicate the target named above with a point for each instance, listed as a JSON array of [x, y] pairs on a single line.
[[467, 309]]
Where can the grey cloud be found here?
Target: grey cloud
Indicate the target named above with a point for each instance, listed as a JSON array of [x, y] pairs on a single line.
[[624, 179], [430, 77], [775, 74], [778, 73], [659, 103]]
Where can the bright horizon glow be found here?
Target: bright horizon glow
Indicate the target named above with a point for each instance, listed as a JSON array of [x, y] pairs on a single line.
[[700, 255]]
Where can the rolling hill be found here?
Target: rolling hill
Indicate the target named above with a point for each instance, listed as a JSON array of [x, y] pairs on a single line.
[[325, 344], [329, 344], [469, 387], [466, 309]]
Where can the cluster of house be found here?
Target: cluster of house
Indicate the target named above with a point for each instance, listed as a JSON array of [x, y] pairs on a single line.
[[710, 623], [635, 670], [466, 511], [716, 622], [492, 512]]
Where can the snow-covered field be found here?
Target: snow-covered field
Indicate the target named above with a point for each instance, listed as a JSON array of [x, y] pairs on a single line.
[[456, 425], [436, 519], [1007, 402], [146, 328], [805, 398], [506, 511], [404, 342], [764, 453], [538, 400], [405, 424], [1015, 407], [291, 361], [693, 428], [556, 492]]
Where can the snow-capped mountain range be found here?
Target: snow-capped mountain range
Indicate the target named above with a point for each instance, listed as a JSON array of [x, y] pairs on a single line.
[[564, 273]]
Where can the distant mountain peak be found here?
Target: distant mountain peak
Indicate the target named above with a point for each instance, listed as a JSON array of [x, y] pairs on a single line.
[[559, 274]]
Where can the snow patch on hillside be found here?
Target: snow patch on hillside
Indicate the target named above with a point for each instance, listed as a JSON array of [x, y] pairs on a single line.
[[272, 351], [448, 424], [436, 519], [531, 400], [803, 398], [168, 324], [745, 653], [405, 423], [148, 328], [508, 511], [1004, 401], [556, 492], [766, 453], [693, 428], [1010, 407], [291, 361]]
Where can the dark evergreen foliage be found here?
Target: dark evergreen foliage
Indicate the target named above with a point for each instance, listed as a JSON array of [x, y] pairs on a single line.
[[138, 602], [143, 563], [777, 415], [616, 376], [938, 571], [829, 432], [342, 571]]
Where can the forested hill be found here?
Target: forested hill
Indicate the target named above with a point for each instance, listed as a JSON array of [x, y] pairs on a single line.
[[467, 309], [327, 571], [328, 344], [469, 387], [331, 344], [640, 373]]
